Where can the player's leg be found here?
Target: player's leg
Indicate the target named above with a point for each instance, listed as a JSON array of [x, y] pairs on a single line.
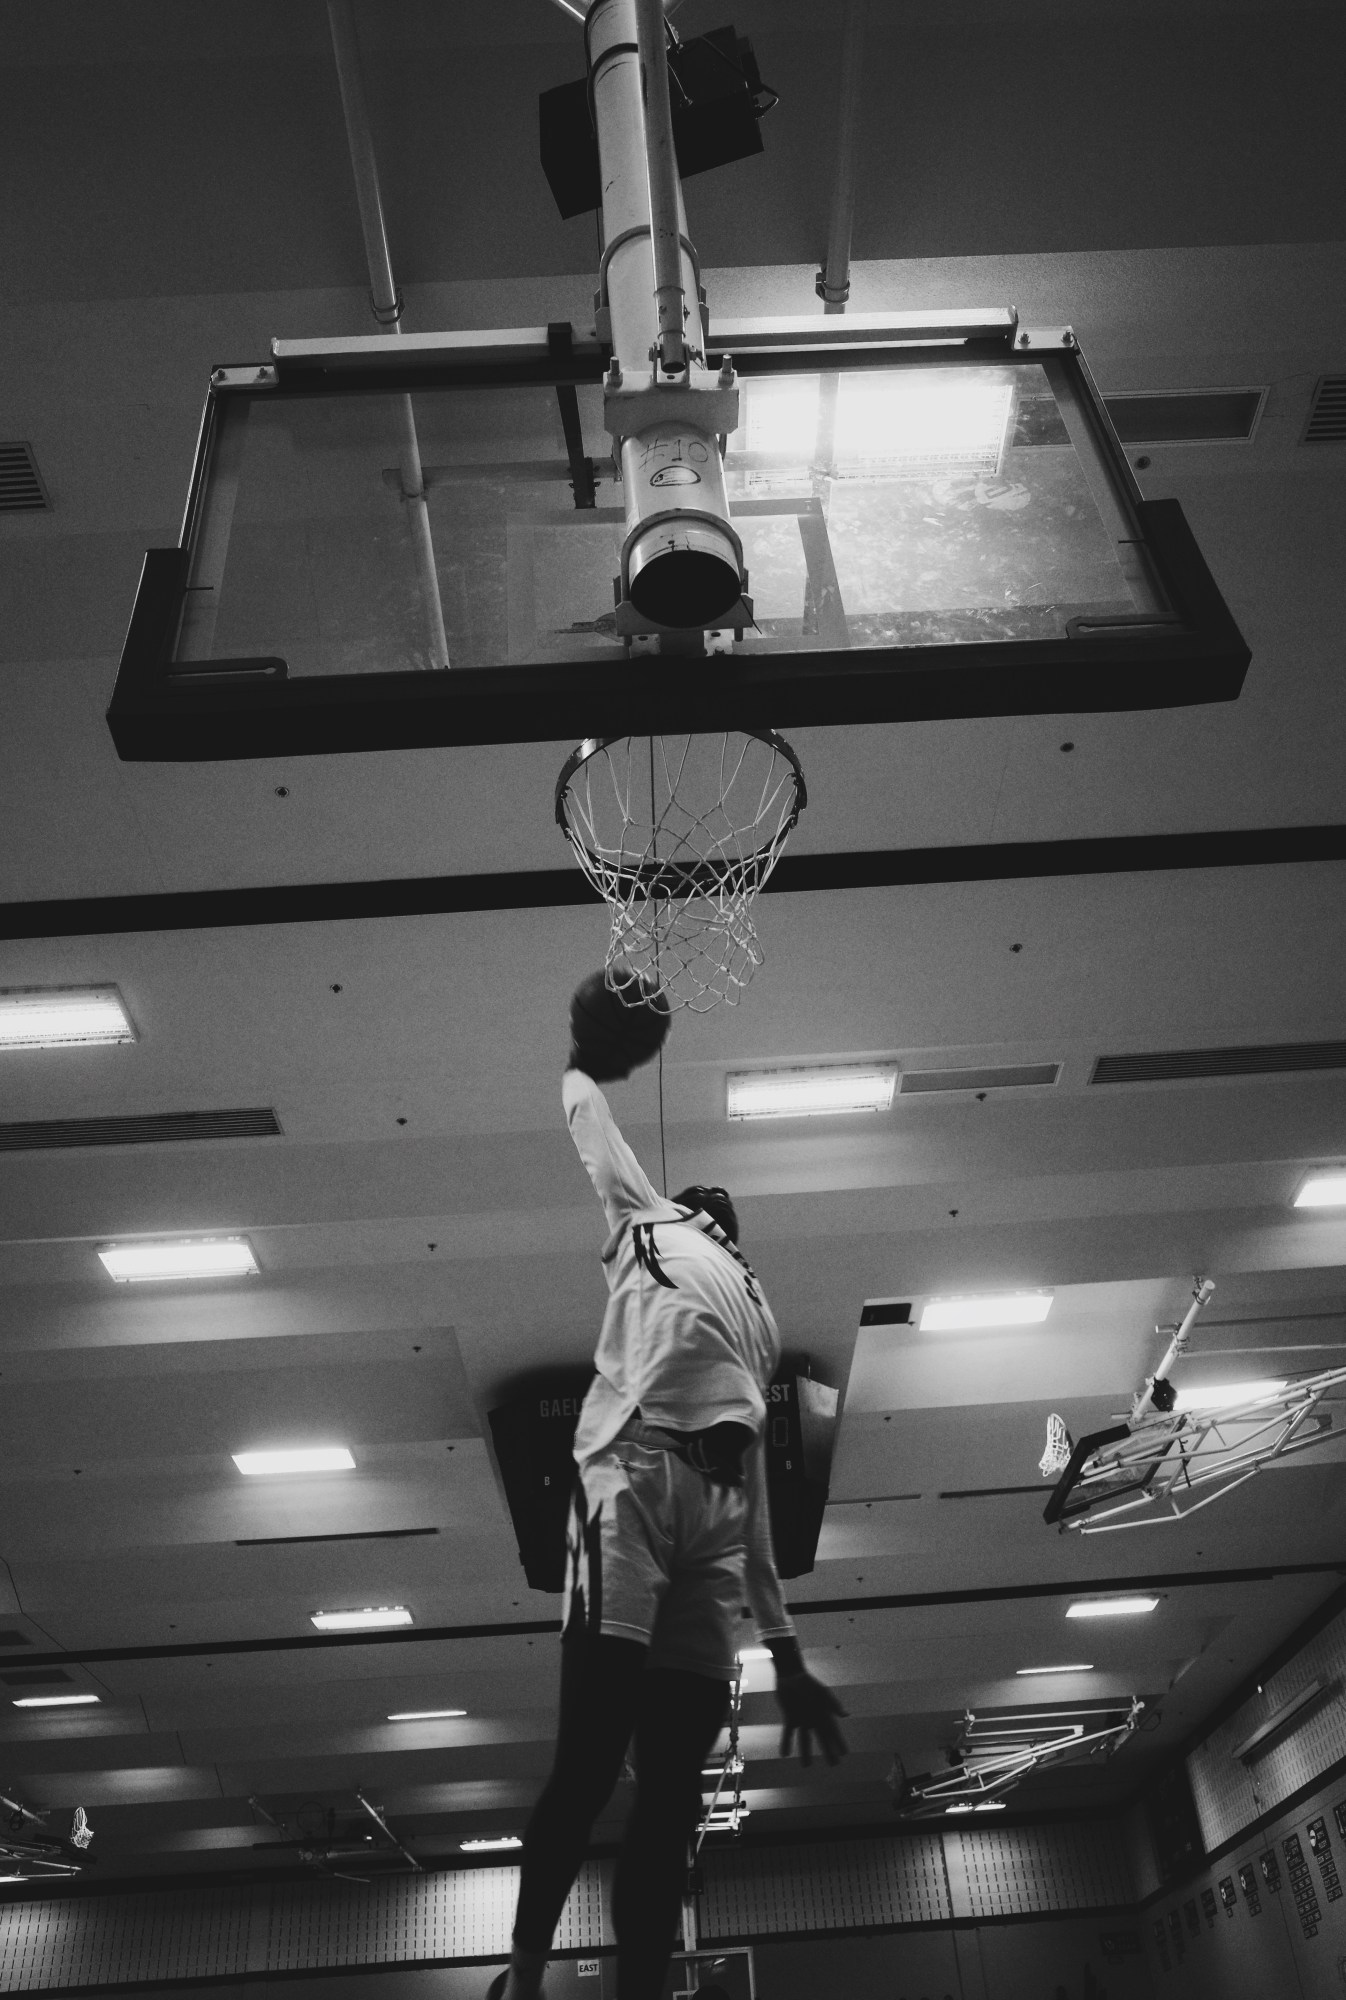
[[600, 1683], [616, 1576], [684, 1699], [679, 1716]]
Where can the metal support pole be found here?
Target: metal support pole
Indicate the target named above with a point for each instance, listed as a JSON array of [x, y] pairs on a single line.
[[1201, 1296], [661, 166], [386, 302], [681, 560], [834, 280]]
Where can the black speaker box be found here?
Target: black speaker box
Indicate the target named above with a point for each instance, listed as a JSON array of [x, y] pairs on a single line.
[[534, 1436], [801, 1418], [713, 86]]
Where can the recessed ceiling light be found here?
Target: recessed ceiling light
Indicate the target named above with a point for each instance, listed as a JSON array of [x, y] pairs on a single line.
[[425, 1714], [1222, 1395], [1323, 1191], [55, 1700], [1111, 1607], [811, 1093], [183, 1257], [994, 1309], [481, 1846], [1074, 1667], [63, 1017], [371, 1618], [296, 1458]]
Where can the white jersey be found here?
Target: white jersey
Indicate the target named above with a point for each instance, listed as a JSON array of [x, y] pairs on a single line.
[[688, 1338]]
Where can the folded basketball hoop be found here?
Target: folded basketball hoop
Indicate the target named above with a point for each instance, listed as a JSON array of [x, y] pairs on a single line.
[[679, 834]]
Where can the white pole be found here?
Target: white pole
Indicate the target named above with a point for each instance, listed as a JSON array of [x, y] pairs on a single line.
[[1203, 1292], [386, 302], [664, 410], [835, 280]]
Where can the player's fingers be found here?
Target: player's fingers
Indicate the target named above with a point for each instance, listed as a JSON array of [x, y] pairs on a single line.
[[786, 1736], [833, 1742], [805, 1745]]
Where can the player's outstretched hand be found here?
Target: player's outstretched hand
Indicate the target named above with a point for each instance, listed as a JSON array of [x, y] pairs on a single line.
[[809, 1708]]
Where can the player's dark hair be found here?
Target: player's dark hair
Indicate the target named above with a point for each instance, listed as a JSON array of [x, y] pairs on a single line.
[[717, 1205]]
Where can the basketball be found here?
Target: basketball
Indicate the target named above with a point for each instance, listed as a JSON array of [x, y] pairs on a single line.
[[614, 1032]]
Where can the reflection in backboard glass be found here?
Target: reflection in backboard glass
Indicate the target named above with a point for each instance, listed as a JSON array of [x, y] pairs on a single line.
[[878, 507]]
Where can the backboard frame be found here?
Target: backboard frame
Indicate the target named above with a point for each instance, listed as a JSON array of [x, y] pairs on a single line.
[[213, 710]]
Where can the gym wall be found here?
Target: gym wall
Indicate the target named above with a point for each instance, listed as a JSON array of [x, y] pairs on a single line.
[[910, 1889]]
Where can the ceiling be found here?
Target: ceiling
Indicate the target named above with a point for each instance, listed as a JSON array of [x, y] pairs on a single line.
[[1166, 180]]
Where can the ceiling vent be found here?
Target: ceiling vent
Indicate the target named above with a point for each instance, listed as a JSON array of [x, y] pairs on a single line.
[[157, 1128], [15, 1639], [21, 487], [31, 1677], [1009, 1076], [1203, 416], [1327, 412], [1184, 1065]]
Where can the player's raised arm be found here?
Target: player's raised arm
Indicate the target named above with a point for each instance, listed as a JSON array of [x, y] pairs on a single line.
[[609, 1037]]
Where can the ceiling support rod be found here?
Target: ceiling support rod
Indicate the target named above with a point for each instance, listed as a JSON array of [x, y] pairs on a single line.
[[834, 280], [386, 302], [382, 1823]]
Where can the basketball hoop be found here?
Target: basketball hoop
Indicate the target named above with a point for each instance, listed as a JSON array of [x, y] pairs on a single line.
[[679, 834]]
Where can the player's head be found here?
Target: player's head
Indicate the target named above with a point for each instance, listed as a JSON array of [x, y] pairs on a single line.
[[717, 1205]]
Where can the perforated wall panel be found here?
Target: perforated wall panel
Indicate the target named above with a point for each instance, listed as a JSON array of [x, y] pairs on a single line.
[[123, 1938], [847, 1885], [1229, 1794], [878, 1884], [1027, 1871]]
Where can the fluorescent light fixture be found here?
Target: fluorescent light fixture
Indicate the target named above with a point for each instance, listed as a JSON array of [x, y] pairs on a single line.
[[1222, 1395], [995, 1309], [1074, 1667], [1323, 1191], [181, 1257], [296, 1458], [811, 1093], [55, 1700], [990, 1805], [63, 1017], [1111, 1607], [747, 1653], [885, 423], [483, 1846], [372, 1618], [425, 1714]]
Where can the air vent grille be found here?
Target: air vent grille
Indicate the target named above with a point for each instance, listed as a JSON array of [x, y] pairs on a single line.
[[1176, 1065], [1204, 416], [1008, 1076], [157, 1128], [31, 1677], [1327, 412], [21, 486]]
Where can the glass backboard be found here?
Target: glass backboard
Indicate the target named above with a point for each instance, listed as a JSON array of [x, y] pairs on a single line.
[[930, 527]]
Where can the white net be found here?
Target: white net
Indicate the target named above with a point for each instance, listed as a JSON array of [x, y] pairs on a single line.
[[678, 834], [1056, 1457]]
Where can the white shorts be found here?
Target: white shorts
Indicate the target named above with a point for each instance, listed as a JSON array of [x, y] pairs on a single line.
[[655, 1552]]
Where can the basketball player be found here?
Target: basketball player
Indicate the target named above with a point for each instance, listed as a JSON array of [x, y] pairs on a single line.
[[669, 1532]]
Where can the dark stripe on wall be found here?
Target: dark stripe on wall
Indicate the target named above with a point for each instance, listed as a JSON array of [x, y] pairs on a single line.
[[561, 888], [1108, 1586]]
